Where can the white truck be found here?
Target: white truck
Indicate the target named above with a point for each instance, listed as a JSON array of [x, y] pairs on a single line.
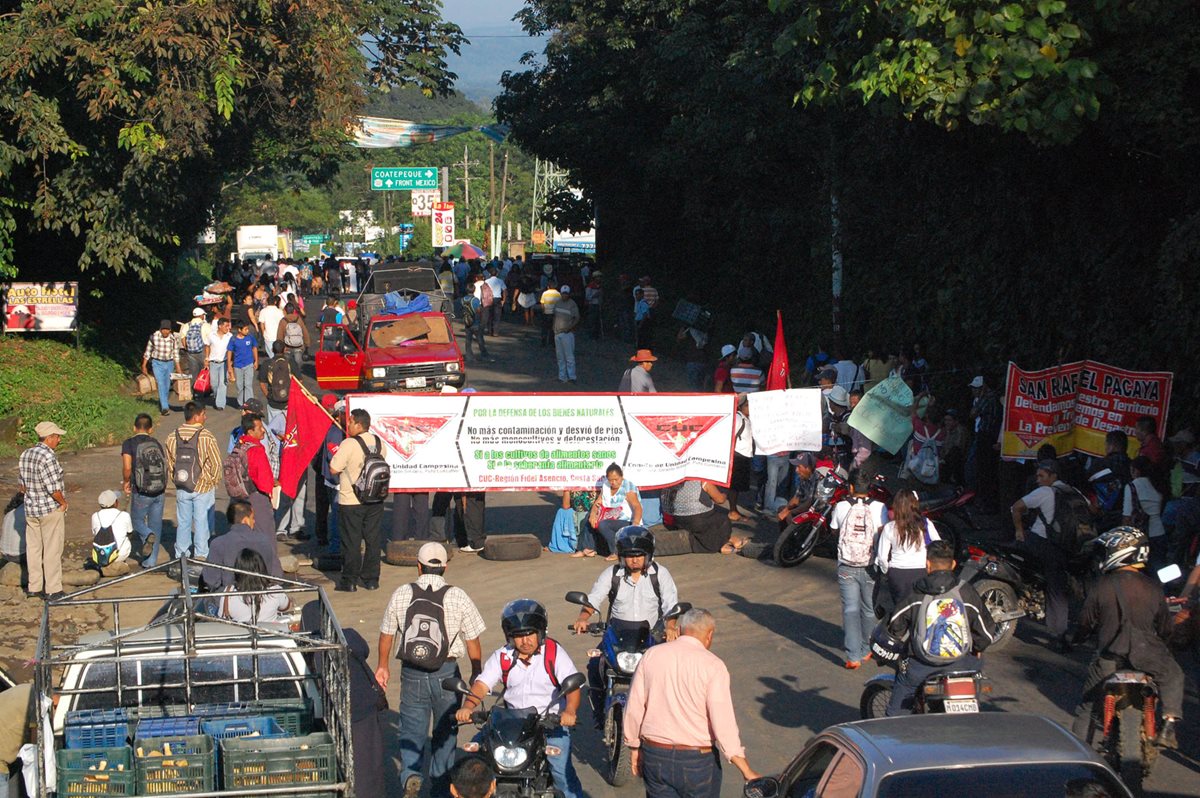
[[258, 241]]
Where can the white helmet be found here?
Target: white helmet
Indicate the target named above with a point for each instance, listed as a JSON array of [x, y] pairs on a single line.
[[1124, 545]]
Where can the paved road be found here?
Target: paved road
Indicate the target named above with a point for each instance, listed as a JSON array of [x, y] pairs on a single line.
[[778, 630]]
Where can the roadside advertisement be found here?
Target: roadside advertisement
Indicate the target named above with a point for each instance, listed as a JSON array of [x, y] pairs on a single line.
[[443, 224], [786, 421], [1073, 406], [550, 442], [40, 307], [423, 201]]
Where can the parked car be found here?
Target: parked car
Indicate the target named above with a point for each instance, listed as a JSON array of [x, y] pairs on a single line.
[[984, 755]]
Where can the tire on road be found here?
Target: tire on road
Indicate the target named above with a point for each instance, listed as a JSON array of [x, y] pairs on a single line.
[[404, 552], [506, 548], [1129, 748], [671, 542], [874, 701], [756, 550], [620, 758], [999, 597], [795, 544]]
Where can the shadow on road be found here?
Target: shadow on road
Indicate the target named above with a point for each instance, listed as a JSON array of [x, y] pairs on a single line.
[[818, 636], [792, 708]]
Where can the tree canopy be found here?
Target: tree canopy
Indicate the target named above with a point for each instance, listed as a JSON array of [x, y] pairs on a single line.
[[120, 123]]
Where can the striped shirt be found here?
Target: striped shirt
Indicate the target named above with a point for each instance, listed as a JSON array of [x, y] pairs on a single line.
[[42, 475], [463, 621], [650, 294], [161, 347], [210, 455], [745, 378]]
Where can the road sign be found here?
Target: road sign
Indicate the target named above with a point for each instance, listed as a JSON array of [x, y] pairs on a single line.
[[403, 178], [539, 237], [423, 201], [310, 240], [443, 224]]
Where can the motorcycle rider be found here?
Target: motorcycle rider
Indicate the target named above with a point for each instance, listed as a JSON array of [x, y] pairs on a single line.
[[1128, 612], [531, 666], [638, 591], [943, 623]]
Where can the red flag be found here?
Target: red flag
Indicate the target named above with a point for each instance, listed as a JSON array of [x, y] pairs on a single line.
[[307, 423], [780, 376]]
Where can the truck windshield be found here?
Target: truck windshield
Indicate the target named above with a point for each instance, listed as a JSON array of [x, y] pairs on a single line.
[[146, 681], [408, 330]]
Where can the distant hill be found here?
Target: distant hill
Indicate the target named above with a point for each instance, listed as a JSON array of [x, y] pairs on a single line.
[[410, 104], [493, 50]]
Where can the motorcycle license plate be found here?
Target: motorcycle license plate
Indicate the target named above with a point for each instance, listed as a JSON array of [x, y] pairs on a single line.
[[956, 705], [414, 382]]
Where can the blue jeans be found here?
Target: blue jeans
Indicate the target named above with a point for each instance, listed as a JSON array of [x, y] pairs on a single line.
[[422, 699], [218, 372], [244, 380], [680, 774], [777, 471], [651, 507], [695, 375], [162, 375], [561, 766], [192, 521], [858, 610], [146, 512]]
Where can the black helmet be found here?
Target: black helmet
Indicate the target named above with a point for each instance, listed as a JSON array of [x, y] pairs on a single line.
[[523, 616], [884, 646], [633, 541]]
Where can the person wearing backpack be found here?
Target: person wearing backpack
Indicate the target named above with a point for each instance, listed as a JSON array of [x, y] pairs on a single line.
[[111, 530], [857, 521], [275, 380], [360, 502], [531, 666], [144, 480], [473, 320], [1049, 504], [900, 553], [193, 343], [943, 623], [439, 627], [194, 464], [249, 476], [638, 591], [294, 334]]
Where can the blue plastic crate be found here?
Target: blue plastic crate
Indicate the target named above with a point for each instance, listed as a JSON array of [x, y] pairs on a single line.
[[229, 728], [168, 727], [97, 728]]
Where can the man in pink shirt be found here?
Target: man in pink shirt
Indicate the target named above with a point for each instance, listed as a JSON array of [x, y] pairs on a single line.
[[261, 480], [678, 703]]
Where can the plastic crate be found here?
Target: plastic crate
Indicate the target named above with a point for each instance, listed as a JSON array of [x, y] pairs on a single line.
[[191, 766], [74, 778], [229, 728], [97, 728], [693, 315], [249, 763], [167, 727], [292, 714]]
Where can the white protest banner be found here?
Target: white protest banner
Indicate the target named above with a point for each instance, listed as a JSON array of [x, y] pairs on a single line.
[[509, 442], [786, 421]]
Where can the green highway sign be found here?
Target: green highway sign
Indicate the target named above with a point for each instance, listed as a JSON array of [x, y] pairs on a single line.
[[403, 178], [320, 238]]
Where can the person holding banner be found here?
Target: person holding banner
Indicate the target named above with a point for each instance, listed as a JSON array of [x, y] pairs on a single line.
[[618, 505]]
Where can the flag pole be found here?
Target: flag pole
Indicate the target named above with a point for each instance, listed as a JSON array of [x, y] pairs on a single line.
[[313, 399]]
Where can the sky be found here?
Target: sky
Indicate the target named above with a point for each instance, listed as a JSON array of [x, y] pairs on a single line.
[[473, 15]]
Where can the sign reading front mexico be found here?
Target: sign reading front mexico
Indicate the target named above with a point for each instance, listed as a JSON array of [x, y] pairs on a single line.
[[403, 178], [550, 442]]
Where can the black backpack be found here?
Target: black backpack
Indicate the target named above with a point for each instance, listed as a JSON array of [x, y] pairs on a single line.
[[149, 474], [187, 462], [373, 481], [424, 643], [1072, 520], [279, 380], [651, 573]]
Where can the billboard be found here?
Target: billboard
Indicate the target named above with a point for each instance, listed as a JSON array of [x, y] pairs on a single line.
[[40, 307]]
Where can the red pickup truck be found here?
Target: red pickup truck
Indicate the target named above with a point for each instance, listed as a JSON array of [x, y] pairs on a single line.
[[379, 350]]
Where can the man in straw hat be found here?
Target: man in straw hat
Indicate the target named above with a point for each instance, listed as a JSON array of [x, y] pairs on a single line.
[[637, 377]]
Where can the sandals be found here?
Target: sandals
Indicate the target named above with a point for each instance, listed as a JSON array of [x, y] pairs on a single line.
[[584, 553], [734, 548]]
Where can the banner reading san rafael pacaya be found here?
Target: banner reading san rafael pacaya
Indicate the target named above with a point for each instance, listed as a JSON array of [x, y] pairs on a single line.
[[509, 442], [1073, 406]]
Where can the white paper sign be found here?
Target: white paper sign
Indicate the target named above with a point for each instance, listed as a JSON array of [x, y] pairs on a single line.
[[786, 421], [443, 224]]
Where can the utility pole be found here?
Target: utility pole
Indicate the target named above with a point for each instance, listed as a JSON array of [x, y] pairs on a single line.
[[466, 165], [504, 187], [533, 204], [492, 180]]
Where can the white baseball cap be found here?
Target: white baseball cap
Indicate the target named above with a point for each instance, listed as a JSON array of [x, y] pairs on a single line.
[[433, 554], [977, 382], [728, 350]]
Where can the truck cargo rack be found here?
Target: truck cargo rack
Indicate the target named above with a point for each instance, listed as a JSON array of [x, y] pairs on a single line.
[[323, 650]]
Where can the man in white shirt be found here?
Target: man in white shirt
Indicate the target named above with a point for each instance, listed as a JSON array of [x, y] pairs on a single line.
[[1043, 500], [268, 321], [216, 351], [111, 529], [499, 290], [531, 667], [566, 319]]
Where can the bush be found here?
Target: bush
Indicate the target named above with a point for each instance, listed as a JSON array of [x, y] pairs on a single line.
[[85, 393]]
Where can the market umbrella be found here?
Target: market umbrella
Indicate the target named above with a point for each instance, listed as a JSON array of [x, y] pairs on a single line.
[[464, 251]]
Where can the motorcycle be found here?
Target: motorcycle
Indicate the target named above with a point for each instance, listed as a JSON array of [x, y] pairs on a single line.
[[1010, 582], [952, 692], [622, 646], [514, 742], [803, 531]]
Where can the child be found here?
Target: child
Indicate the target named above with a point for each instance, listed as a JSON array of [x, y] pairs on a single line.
[[111, 528]]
